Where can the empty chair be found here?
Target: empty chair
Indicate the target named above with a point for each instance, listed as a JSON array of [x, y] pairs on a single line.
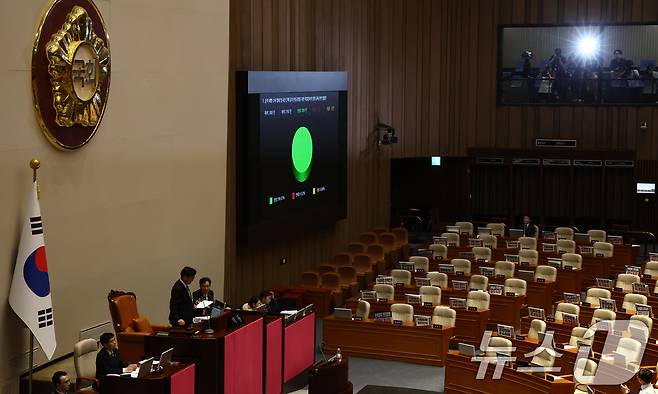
[[402, 312], [529, 256], [625, 281], [478, 282], [401, 276], [322, 268], [368, 238], [401, 235], [602, 314], [631, 349], [536, 326], [583, 367], [420, 262], [516, 286], [565, 246], [461, 265], [504, 268], [498, 345], [438, 279], [564, 233], [383, 291], [331, 280], [594, 296], [379, 230], [389, 242], [573, 260], [489, 241], [444, 316], [348, 279], [651, 268], [465, 227], [529, 243], [546, 272], [452, 238], [430, 294], [343, 259], [362, 309], [378, 255], [354, 248], [632, 299], [482, 253], [84, 359], [596, 235], [603, 249], [310, 280], [362, 263], [497, 229], [544, 359], [636, 320], [478, 299], [439, 250], [581, 334], [564, 307]]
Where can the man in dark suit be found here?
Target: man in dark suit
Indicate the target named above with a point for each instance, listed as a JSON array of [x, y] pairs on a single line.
[[528, 227], [204, 293], [61, 382], [181, 304], [108, 360]]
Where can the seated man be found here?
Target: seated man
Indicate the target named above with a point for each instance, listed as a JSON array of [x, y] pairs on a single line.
[[204, 293], [61, 382], [528, 227], [644, 377], [108, 360]]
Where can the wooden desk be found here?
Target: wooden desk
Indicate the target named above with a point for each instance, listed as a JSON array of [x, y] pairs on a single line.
[[562, 332], [504, 309], [383, 340], [461, 373], [176, 379]]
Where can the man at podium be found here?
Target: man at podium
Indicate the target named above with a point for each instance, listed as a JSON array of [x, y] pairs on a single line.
[[204, 293], [181, 304]]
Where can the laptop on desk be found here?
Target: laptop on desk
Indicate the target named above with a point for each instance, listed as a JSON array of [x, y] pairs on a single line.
[[165, 360], [144, 368]]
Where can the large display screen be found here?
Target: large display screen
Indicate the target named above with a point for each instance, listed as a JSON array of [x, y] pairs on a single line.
[[293, 139]]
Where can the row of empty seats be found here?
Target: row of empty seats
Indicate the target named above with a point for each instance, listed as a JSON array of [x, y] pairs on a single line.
[[525, 256], [441, 315], [498, 229], [475, 298]]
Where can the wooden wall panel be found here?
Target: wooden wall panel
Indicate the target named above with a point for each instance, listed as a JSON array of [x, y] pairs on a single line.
[[426, 67]]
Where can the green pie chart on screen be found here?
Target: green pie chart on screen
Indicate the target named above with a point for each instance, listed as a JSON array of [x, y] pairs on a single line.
[[302, 154]]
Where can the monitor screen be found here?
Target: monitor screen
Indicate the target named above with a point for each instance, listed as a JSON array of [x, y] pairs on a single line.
[[436, 160], [646, 188]]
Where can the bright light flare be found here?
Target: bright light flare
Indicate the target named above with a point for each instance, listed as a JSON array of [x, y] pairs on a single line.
[[588, 47]]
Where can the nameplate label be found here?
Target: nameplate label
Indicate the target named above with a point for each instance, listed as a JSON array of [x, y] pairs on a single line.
[[500, 276], [646, 276], [510, 294], [618, 289], [397, 322], [568, 268], [622, 310], [382, 299], [599, 255], [525, 264], [482, 261], [550, 319], [426, 303], [587, 304], [541, 280], [438, 258], [420, 270], [459, 273], [472, 308], [358, 318], [520, 338], [437, 326], [399, 284]]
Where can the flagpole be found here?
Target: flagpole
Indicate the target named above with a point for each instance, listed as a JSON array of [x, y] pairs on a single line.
[[34, 165]]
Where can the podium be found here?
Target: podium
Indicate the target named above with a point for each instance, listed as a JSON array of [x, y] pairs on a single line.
[[330, 377], [175, 379]]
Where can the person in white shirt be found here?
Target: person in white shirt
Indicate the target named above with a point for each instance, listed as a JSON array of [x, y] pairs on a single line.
[[645, 378]]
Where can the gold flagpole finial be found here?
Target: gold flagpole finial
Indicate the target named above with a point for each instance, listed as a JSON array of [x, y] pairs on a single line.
[[34, 165]]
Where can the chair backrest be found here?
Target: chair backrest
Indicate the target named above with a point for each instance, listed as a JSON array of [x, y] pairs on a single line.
[[581, 334], [403, 312], [444, 316], [516, 286], [310, 280], [594, 295], [363, 309], [544, 358], [347, 274], [401, 235], [478, 299], [651, 268], [529, 243], [597, 235], [482, 252], [438, 279], [642, 319], [331, 280], [430, 294], [564, 233], [356, 248], [439, 250], [546, 272], [625, 281], [497, 229], [452, 238], [584, 367], [322, 268], [84, 358], [498, 345], [573, 260], [529, 256], [388, 240], [123, 309], [384, 291], [420, 262], [401, 276], [536, 326], [632, 299], [362, 263], [606, 249], [504, 268], [368, 238], [602, 314], [536, 231], [343, 259], [379, 230], [489, 241], [478, 282], [565, 246], [630, 348], [376, 251], [465, 227], [564, 307], [461, 265]]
